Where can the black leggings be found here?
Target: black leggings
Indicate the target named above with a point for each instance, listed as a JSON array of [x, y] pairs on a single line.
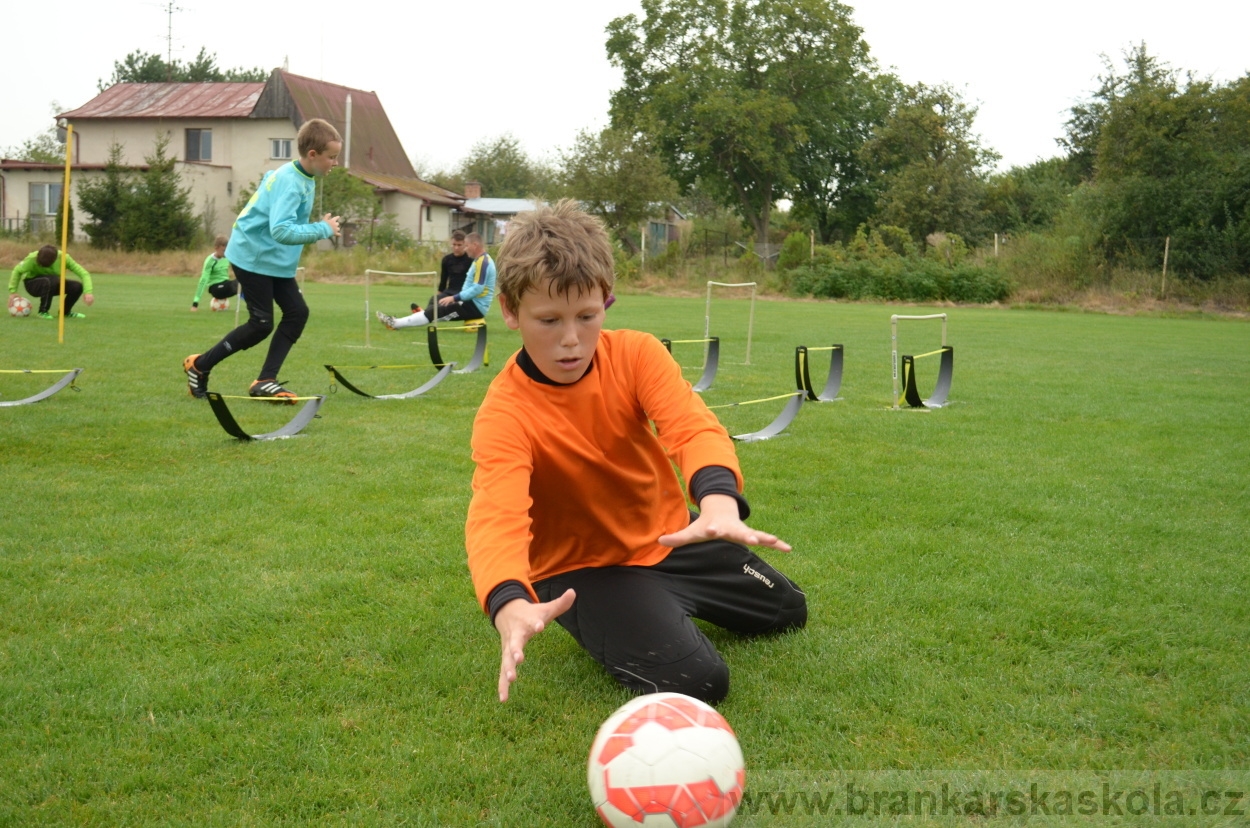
[[224, 290], [45, 287], [459, 309], [636, 620], [261, 292]]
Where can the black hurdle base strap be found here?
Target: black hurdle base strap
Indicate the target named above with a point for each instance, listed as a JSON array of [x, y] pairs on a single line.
[[68, 379], [941, 390], [479, 358], [710, 365], [336, 376], [291, 429], [803, 376]]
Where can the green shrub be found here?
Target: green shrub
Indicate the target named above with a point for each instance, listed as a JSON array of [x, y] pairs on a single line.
[[795, 251]]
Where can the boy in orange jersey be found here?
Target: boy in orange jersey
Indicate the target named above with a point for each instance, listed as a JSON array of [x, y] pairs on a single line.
[[577, 513]]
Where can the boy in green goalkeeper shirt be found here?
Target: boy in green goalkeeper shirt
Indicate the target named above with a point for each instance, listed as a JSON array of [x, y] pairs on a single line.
[[215, 277], [40, 274]]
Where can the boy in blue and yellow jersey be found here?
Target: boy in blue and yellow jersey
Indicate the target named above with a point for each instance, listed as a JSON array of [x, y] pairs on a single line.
[[469, 303], [264, 252], [578, 514], [215, 277]]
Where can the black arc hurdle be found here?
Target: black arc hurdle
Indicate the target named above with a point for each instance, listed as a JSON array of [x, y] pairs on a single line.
[[710, 363], [305, 416], [336, 376], [479, 358], [803, 376], [70, 375], [941, 391], [779, 423]]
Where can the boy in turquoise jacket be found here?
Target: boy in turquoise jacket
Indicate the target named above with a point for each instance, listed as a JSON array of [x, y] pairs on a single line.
[[264, 250]]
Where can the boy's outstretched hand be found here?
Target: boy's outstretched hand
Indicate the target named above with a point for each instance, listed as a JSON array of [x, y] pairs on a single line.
[[718, 520], [518, 622], [333, 221]]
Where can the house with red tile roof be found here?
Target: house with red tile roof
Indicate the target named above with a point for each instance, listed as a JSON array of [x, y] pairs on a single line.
[[225, 136]]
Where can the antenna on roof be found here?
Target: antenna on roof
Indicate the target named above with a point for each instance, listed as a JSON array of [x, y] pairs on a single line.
[[170, 8]]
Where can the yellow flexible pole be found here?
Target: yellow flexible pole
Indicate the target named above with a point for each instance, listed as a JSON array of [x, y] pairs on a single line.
[[69, 150]]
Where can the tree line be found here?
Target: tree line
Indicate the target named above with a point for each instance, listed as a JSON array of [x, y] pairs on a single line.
[[732, 106]]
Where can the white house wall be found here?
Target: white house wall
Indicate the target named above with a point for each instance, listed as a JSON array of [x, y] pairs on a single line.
[[240, 155]]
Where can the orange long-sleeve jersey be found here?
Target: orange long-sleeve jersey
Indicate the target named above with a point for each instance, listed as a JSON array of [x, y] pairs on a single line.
[[572, 476]]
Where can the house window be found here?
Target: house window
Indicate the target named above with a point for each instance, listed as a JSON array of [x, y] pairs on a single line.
[[45, 199], [429, 213], [280, 149], [199, 145]]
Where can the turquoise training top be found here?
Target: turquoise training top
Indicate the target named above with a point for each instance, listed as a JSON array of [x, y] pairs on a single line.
[[269, 234], [479, 284]]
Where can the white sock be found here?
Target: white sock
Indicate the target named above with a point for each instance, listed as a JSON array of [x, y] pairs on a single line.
[[413, 321]]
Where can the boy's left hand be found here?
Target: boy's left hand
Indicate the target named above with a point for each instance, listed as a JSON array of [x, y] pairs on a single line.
[[718, 520]]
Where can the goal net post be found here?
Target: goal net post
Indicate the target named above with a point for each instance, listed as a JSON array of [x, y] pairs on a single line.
[[707, 312], [369, 273], [894, 320]]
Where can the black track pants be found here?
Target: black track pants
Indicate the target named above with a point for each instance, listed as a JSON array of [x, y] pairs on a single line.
[[261, 292], [636, 620], [45, 288]]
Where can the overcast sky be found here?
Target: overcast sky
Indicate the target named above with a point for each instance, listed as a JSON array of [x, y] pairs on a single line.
[[451, 74]]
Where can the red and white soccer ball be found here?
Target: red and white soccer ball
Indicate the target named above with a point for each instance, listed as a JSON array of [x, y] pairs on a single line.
[[219, 304], [666, 760], [19, 306]]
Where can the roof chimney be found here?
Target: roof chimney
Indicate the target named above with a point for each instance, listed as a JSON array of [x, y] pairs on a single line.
[[472, 189]]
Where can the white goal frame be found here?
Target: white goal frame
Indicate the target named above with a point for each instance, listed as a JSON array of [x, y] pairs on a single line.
[[707, 312], [894, 320], [368, 274]]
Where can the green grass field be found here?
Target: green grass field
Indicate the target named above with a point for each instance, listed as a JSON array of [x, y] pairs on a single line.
[[1051, 573]]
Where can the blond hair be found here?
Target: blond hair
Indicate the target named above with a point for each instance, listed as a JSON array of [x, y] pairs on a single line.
[[561, 245], [316, 134], [221, 241]]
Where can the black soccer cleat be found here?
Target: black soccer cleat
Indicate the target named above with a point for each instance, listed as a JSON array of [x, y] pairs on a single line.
[[197, 380], [273, 390]]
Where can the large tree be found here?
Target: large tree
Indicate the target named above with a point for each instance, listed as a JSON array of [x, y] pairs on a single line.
[[105, 200], [1166, 159], [158, 214], [503, 169], [147, 67], [616, 177], [724, 89], [929, 166]]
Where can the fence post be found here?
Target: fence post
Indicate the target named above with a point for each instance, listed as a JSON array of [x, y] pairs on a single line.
[[1163, 286]]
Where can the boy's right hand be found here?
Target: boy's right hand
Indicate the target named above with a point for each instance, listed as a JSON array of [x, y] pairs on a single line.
[[333, 221], [518, 622]]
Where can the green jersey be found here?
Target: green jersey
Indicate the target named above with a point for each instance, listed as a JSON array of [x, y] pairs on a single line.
[[30, 267]]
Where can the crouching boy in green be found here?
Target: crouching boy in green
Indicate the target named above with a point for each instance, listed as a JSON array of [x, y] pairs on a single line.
[[577, 514], [40, 274], [215, 276]]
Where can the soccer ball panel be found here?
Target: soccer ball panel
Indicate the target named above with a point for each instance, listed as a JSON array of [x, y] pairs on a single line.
[[666, 759]]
